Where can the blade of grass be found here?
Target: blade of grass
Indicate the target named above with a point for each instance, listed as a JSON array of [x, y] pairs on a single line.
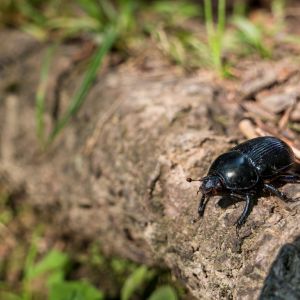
[[108, 9], [239, 9], [126, 17], [219, 36], [251, 35], [208, 18], [165, 292], [41, 94], [31, 12], [221, 18], [215, 33], [110, 37], [92, 8], [135, 281], [210, 29], [29, 262]]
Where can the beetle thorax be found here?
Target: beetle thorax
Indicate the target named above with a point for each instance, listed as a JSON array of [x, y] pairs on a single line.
[[211, 185]]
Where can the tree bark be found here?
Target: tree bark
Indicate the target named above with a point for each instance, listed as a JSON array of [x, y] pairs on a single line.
[[117, 172]]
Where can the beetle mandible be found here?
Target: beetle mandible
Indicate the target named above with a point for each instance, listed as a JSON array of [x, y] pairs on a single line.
[[247, 170]]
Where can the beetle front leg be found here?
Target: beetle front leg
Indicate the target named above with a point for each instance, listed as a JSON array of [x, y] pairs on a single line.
[[202, 205], [247, 209]]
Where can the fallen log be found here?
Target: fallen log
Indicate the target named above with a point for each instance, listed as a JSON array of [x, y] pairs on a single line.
[[117, 174]]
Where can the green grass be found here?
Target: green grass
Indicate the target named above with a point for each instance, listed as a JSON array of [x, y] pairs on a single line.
[[45, 278], [124, 25], [40, 265], [251, 36], [215, 34], [110, 36], [112, 26]]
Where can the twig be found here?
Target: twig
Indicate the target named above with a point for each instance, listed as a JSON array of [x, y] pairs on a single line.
[[286, 116]]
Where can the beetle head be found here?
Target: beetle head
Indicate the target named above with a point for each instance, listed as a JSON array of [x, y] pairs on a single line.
[[211, 185]]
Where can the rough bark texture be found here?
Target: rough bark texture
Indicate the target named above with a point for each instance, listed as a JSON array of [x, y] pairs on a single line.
[[117, 173]]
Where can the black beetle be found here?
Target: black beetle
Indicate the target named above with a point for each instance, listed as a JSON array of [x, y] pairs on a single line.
[[248, 170]]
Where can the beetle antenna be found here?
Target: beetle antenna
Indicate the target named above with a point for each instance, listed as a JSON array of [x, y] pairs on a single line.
[[190, 179]]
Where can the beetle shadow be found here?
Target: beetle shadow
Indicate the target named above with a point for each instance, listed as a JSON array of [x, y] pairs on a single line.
[[226, 200]]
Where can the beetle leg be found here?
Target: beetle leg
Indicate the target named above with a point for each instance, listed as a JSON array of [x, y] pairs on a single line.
[[202, 205], [289, 178], [246, 211], [276, 192], [237, 196]]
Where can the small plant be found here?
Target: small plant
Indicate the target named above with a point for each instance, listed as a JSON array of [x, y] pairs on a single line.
[[120, 24], [51, 269], [108, 24], [74, 290], [215, 34], [250, 35], [135, 281], [110, 36], [165, 292], [46, 277]]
